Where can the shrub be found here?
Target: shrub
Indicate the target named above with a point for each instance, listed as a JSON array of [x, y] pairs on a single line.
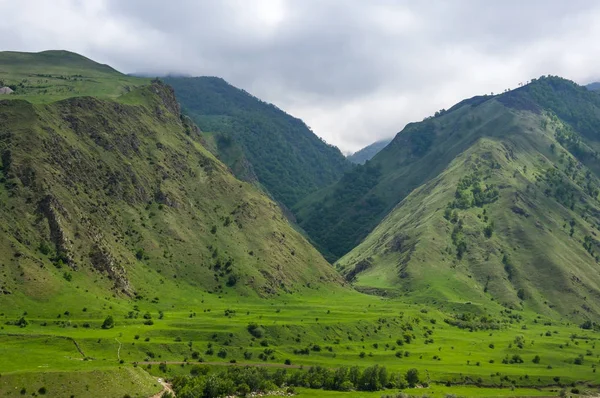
[[536, 359], [255, 330], [108, 323], [412, 377]]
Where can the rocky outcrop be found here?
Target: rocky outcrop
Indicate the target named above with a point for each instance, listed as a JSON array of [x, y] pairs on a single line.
[[103, 261], [56, 214]]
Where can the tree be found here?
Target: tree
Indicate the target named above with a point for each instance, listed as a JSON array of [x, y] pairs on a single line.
[[536, 359], [108, 323], [412, 377]]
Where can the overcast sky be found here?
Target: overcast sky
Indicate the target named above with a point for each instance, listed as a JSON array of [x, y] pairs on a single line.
[[354, 70]]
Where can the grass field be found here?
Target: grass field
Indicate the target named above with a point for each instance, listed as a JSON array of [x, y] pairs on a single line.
[[336, 327]]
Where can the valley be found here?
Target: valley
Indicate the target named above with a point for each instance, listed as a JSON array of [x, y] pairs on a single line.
[[196, 237]]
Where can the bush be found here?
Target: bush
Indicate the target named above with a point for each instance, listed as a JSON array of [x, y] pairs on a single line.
[[255, 330], [198, 370], [108, 323], [536, 359], [412, 377]]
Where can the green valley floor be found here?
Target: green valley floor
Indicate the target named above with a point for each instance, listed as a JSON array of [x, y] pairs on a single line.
[[496, 352]]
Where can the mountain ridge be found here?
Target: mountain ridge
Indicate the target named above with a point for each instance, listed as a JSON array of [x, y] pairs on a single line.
[[512, 218], [121, 190], [289, 160]]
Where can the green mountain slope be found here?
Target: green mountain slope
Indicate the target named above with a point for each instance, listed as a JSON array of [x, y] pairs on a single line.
[[52, 75], [513, 218], [119, 195], [338, 217], [367, 153], [289, 160]]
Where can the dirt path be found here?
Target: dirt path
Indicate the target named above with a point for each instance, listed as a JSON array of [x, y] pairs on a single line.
[[77, 346], [260, 364], [118, 350], [166, 388]]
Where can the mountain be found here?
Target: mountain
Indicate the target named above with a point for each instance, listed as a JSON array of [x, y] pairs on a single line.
[[361, 156], [593, 86], [508, 211], [118, 194], [289, 160], [338, 217], [133, 262]]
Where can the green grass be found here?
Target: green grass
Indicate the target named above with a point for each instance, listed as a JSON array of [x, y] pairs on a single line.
[[114, 382], [54, 75], [319, 319], [440, 391]]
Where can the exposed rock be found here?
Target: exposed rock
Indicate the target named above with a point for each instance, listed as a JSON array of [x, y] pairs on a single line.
[[6, 90], [103, 261], [55, 214], [361, 266], [519, 211]]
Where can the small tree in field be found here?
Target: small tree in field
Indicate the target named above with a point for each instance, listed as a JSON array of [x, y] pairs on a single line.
[[108, 323], [412, 377]]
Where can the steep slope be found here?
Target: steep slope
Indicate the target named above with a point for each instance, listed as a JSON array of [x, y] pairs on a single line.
[[513, 218], [367, 153], [119, 195], [289, 160], [338, 217]]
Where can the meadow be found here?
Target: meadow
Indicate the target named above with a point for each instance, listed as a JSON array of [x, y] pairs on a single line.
[[506, 354]]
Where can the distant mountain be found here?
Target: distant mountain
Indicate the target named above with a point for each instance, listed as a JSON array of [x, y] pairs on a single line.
[[593, 86], [289, 160], [360, 157]]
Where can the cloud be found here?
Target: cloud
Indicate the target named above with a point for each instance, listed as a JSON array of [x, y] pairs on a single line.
[[354, 71]]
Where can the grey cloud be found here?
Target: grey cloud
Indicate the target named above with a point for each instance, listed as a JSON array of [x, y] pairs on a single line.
[[355, 71]]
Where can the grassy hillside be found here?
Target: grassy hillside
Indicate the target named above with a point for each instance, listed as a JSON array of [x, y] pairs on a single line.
[[367, 153], [513, 219], [339, 217], [53, 75], [120, 194], [289, 160]]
